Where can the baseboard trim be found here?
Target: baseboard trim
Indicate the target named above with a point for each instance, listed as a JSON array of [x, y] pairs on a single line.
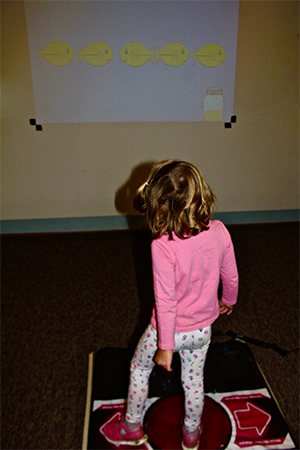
[[107, 223]]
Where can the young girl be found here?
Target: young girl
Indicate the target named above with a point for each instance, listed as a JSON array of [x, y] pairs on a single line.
[[190, 254]]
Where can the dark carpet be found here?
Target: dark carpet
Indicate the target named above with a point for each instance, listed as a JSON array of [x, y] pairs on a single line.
[[67, 295]]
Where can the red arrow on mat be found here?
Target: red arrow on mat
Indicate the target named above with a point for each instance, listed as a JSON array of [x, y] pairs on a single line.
[[252, 418]]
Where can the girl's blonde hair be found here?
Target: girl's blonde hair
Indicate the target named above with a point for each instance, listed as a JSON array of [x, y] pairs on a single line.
[[175, 198]]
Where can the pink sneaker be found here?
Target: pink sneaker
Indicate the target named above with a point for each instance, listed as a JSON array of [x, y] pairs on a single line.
[[118, 433], [191, 441]]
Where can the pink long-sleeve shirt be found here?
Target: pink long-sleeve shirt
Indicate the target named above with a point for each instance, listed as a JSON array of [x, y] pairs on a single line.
[[186, 276]]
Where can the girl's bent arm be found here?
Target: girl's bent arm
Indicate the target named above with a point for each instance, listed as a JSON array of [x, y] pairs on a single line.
[[229, 275], [164, 292]]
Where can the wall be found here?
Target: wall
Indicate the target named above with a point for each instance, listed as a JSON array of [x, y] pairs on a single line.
[[88, 170]]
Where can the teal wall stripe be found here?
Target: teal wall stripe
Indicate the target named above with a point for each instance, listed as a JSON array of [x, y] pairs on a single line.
[[105, 223]]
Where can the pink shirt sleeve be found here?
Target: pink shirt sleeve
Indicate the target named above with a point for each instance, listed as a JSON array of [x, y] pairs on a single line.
[[229, 273], [165, 295]]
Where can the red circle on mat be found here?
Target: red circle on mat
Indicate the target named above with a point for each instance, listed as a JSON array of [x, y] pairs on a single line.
[[164, 421]]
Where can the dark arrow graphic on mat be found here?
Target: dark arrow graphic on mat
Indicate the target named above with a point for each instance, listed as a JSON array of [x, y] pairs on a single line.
[[252, 418]]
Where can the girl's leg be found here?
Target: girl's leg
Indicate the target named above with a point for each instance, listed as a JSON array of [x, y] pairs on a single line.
[[140, 369], [193, 347], [130, 431]]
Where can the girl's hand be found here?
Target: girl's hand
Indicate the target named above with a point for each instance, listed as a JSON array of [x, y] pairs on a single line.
[[164, 358], [225, 309]]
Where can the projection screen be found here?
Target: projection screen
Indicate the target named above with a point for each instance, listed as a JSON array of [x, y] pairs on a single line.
[[132, 61]]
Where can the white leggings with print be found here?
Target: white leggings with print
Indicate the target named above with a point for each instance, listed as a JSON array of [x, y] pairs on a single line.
[[192, 347]]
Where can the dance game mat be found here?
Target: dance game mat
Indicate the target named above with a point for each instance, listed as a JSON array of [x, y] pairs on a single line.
[[239, 409]]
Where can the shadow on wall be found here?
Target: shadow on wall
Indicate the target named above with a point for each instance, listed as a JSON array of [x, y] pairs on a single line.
[[141, 246], [125, 194]]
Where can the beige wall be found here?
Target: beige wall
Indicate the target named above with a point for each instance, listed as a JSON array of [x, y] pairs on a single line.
[[76, 170]]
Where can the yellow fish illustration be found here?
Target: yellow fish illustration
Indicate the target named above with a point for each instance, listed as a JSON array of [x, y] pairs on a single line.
[[210, 55], [57, 53], [135, 54], [173, 54], [96, 54]]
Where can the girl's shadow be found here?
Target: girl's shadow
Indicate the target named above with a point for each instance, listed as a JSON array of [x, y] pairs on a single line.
[[141, 242]]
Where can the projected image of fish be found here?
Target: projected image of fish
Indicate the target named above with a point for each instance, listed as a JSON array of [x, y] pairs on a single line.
[[57, 53], [135, 54], [96, 54], [173, 54], [210, 55]]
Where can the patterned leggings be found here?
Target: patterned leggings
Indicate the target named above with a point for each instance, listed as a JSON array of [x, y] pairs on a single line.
[[192, 347]]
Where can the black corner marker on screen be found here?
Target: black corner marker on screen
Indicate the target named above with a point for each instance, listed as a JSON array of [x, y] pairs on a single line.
[[233, 119], [227, 124], [37, 127]]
